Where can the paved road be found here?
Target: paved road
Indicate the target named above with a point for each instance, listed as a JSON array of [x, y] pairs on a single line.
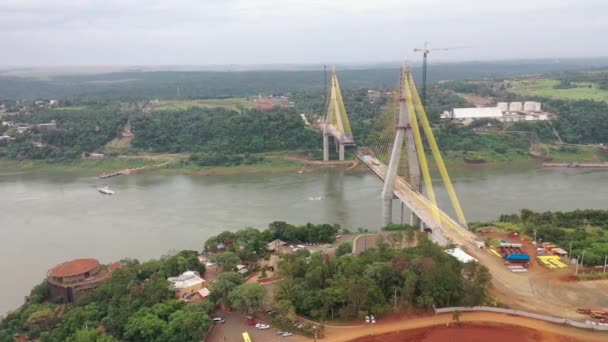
[[236, 324]]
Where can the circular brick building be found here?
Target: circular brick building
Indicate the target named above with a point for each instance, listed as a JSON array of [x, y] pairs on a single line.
[[71, 280]]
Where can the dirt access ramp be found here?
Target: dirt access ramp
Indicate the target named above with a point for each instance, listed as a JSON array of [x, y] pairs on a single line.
[[524, 327], [468, 332]]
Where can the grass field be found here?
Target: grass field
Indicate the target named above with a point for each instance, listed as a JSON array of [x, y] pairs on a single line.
[[81, 166], [269, 165], [544, 88], [231, 103], [578, 154]]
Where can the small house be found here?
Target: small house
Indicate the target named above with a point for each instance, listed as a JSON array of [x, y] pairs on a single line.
[[186, 285]]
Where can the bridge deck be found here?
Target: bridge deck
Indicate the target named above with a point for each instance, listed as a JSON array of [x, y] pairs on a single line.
[[344, 139], [421, 206]]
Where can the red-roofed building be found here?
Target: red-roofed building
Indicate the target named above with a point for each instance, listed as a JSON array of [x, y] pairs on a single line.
[[71, 280]]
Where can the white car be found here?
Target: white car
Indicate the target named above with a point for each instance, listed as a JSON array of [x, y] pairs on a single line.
[[367, 319], [287, 333], [264, 326]]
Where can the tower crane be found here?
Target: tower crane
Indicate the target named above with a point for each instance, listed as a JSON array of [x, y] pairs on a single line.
[[425, 52]]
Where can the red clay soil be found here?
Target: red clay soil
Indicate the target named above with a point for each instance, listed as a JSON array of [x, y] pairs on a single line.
[[469, 333]]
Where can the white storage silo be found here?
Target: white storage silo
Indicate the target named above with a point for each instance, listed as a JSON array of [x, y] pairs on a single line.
[[504, 106], [515, 107]]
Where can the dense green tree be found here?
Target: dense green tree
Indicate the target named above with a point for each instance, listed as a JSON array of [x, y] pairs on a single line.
[[189, 324], [344, 248], [145, 326], [227, 261], [223, 285], [247, 298], [91, 335]]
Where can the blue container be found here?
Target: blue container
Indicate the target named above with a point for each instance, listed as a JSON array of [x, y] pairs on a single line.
[[518, 257]]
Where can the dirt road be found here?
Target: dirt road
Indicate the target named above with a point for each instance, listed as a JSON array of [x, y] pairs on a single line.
[[541, 290], [347, 333]]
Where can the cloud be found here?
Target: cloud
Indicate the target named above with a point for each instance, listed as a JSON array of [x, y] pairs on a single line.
[[271, 31]]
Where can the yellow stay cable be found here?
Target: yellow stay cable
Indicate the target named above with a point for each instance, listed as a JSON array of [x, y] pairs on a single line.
[[436, 154], [428, 183], [342, 109]]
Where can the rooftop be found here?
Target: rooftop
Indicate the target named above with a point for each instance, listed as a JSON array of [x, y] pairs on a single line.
[[487, 112], [185, 280], [73, 267]]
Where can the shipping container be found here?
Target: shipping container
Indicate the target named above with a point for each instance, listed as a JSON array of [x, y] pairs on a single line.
[[518, 258]]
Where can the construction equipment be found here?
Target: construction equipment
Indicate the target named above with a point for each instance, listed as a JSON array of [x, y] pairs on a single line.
[[425, 53]]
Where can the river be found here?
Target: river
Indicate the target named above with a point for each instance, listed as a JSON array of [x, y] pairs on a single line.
[[49, 218]]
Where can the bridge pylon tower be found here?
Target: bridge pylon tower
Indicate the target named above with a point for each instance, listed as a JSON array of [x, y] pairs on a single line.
[[411, 118], [403, 132], [336, 122]]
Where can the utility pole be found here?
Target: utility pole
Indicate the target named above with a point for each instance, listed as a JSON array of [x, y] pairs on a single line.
[[605, 262], [325, 129], [396, 299], [570, 251], [325, 83], [583, 258], [535, 244], [576, 270]]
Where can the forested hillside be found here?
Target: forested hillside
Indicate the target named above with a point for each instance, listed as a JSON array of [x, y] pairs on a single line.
[[208, 84], [377, 281], [218, 129], [79, 129]]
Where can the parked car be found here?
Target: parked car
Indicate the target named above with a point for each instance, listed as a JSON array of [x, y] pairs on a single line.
[[367, 319], [287, 333], [218, 320]]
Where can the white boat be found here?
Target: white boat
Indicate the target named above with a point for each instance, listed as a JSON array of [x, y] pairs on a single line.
[[105, 190]]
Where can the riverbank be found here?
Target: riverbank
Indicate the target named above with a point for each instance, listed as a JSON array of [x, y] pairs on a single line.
[[81, 166], [542, 152], [173, 165], [582, 165], [282, 162]]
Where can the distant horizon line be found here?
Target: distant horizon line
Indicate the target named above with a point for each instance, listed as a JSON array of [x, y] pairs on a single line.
[[305, 66]]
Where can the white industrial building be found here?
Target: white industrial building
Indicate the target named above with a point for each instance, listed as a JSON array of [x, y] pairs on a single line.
[[503, 112], [531, 106], [476, 113], [516, 107]]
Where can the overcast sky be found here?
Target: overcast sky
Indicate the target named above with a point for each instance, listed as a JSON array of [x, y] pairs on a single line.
[[199, 32]]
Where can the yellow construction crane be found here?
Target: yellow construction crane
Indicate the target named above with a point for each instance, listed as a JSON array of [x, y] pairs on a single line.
[[425, 52]]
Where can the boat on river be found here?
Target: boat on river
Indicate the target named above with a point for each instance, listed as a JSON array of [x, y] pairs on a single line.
[[105, 190]]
